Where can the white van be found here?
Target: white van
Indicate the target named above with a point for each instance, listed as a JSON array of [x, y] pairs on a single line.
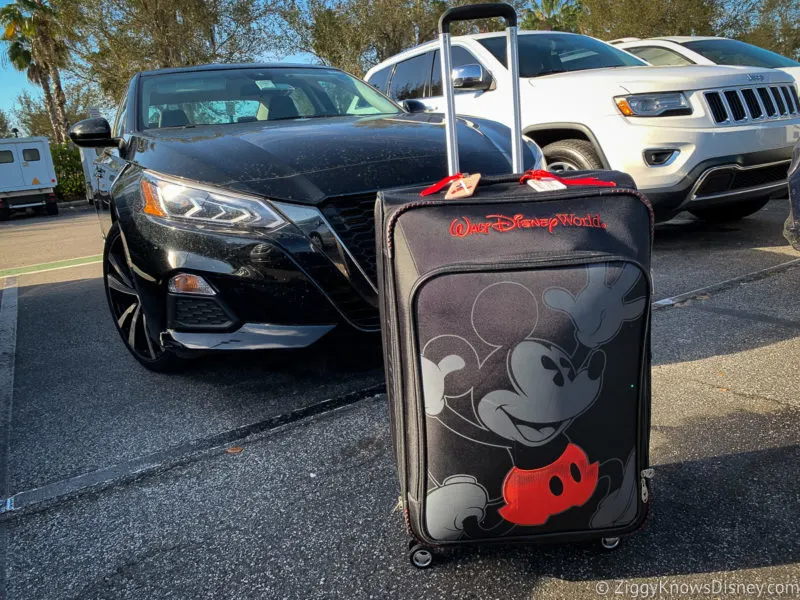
[[705, 139], [27, 176]]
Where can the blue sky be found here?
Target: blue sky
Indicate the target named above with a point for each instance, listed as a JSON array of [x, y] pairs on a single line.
[[12, 82]]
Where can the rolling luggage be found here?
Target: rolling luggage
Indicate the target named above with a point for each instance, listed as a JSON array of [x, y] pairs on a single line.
[[516, 344]]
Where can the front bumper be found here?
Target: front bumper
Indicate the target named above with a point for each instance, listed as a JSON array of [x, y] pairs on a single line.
[[250, 336], [670, 186], [284, 289], [724, 180]]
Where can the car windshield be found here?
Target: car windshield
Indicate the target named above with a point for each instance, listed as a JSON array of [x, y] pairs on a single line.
[[734, 52], [254, 94], [547, 53]]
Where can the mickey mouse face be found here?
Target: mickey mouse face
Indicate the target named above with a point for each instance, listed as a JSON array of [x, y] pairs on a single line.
[[548, 393]]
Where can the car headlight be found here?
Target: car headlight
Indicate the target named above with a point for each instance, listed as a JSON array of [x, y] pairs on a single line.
[[654, 105], [173, 199], [541, 163]]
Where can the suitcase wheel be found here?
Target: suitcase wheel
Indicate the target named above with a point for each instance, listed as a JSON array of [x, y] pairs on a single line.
[[420, 556], [610, 543]]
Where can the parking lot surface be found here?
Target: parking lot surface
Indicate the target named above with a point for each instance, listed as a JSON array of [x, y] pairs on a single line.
[[121, 484]]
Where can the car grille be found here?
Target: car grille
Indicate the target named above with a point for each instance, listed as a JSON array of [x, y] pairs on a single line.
[[198, 313], [353, 220], [743, 105]]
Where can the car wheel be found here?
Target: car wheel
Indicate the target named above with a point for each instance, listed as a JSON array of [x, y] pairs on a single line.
[[51, 208], [5, 213], [571, 155], [126, 308], [730, 212]]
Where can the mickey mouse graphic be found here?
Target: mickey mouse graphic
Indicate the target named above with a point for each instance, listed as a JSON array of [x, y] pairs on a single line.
[[549, 389]]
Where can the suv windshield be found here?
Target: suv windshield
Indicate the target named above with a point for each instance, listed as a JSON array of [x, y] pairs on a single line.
[[546, 53], [252, 94], [734, 52]]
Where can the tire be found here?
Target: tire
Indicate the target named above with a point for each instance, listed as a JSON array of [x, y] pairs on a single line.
[[51, 208], [126, 309], [5, 213], [571, 155], [730, 212]]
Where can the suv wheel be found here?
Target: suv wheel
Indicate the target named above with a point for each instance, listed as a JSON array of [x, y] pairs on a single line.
[[730, 212], [126, 308], [571, 155]]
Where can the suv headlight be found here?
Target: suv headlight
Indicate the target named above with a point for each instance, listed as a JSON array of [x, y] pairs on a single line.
[[654, 105], [197, 203]]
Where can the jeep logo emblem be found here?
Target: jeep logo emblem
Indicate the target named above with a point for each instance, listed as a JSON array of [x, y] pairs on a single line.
[[755, 77]]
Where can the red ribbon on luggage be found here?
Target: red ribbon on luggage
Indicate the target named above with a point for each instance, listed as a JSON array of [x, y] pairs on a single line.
[[437, 187], [539, 174]]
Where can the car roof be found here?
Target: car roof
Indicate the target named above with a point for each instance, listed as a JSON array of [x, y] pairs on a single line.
[[679, 39], [225, 67], [476, 36]]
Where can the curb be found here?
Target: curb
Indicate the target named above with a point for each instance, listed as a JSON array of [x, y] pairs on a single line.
[[73, 203]]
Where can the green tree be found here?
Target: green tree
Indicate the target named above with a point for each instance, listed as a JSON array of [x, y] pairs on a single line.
[[34, 45], [30, 112], [354, 35], [112, 39], [5, 125], [609, 19], [553, 15]]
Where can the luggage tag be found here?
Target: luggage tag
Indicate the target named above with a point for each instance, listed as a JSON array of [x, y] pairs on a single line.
[[544, 181], [461, 186]]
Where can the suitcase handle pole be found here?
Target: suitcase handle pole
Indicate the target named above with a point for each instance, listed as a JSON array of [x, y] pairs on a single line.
[[466, 13]]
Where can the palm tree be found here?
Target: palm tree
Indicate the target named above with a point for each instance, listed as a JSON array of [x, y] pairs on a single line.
[[29, 28]]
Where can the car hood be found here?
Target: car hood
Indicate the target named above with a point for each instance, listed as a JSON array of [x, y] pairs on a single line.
[[636, 80], [308, 160]]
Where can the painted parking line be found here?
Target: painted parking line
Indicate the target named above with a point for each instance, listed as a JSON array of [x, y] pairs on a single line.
[[8, 347], [51, 266], [726, 285]]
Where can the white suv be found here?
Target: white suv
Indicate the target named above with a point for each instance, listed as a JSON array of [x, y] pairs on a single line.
[[684, 50], [716, 141]]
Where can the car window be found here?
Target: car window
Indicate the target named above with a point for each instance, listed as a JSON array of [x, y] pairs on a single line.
[[30, 155], [411, 77], [660, 57], [548, 53], [6, 157], [460, 57], [380, 79], [254, 94], [734, 52]]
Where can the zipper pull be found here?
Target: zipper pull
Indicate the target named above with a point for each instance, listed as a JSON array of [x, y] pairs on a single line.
[[645, 475], [539, 175]]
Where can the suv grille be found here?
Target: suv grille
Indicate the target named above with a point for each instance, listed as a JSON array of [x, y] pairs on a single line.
[[353, 220], [742, 105]]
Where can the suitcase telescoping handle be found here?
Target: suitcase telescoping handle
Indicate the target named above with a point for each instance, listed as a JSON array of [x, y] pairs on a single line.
[[466, 13]]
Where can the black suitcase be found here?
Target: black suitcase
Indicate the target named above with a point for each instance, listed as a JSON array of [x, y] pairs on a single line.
[[516, 343]]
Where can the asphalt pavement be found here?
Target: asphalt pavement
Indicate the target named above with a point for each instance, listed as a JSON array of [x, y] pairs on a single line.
[[124, 487]]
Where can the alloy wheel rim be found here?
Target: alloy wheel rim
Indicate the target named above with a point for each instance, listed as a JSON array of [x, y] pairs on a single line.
[[560, 166], [126, 305]]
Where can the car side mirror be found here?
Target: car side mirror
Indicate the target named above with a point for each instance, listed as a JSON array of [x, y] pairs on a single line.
[[471, 77], [414, 106], [93, 133]]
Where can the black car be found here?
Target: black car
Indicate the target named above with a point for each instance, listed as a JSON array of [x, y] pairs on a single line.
[[791, 229], [238, 202]]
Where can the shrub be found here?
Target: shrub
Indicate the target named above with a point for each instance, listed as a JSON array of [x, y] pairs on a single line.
[[69, 172]]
